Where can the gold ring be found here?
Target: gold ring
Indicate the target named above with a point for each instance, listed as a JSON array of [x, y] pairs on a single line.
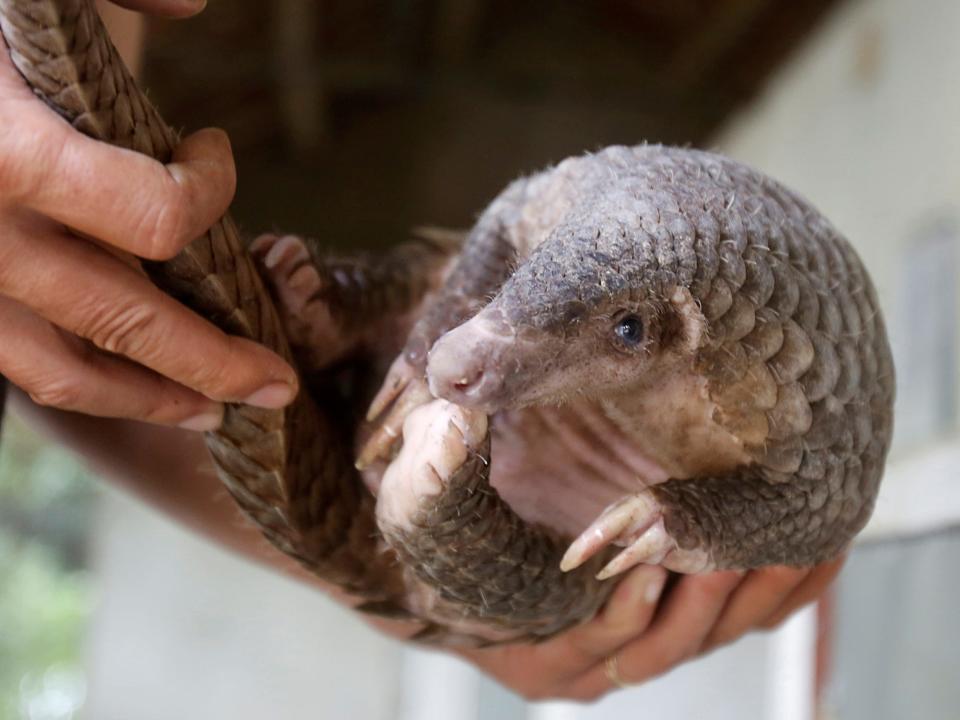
[[611, 668]]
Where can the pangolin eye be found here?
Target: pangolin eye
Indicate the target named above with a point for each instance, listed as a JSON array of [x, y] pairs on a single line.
[[629, 329]]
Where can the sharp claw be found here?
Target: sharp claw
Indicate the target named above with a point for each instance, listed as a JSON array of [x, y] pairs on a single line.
[[651, 547], [383, 440], [387, 394], [300, 290], [377, 446], [601, 533], [623, 518], [283, 250], [582, 549], [398, 378], [262, 244]]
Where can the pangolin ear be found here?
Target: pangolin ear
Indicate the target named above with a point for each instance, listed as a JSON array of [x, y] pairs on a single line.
[[688, 330]]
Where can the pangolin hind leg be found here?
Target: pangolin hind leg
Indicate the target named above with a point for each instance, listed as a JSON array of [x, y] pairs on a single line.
[[334, 306], [332, 303]]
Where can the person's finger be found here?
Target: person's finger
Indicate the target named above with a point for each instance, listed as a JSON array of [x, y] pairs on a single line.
[[60, 371], [677, 632], [810, 589], [164, 8], [543, 670], [760, 594], [626, 614], [88, 292], [121, 197]]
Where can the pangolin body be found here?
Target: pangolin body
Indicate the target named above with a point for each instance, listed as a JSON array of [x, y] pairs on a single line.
[[677, 304], [647, 348]]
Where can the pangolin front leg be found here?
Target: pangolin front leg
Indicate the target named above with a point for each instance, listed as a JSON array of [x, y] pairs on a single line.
[[637, 523], [482, 267], [482, 565], [747, 518], [468, 555]]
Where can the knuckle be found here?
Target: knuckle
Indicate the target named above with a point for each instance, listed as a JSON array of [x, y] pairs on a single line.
[[715, 642], [127, 329], [224, 376], [11, 175], [772, 623], [25, 163], [163, 229], [210, 379], [535, 693], [677, 651], [10, 267], [686, 651], [719, 638], [57, 393], [580, 693], [588, 696]]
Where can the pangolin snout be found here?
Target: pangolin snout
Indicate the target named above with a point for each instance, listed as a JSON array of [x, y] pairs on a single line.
[[467, 365]]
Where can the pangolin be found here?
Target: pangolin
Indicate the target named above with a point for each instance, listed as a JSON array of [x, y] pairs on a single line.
[[641, 355]]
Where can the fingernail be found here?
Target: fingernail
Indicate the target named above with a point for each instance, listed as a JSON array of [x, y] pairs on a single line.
[[190, 8], [643, 584], [272, 397], [204, 422], [642, 587], [651, 592]]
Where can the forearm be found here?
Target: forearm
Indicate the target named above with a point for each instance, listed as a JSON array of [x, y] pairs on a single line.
[[165, 467], [170, 470]]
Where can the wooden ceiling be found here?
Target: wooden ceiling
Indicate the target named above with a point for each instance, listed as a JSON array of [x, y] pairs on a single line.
[[431, 105]]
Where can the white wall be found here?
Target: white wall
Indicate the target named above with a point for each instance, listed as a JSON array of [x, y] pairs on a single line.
[[866, 123], [186, 630]]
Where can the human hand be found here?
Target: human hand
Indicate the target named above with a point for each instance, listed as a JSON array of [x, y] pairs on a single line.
[[81, 328], [697, 614]]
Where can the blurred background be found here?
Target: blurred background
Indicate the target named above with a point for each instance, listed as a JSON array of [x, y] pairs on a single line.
[[354, 121]]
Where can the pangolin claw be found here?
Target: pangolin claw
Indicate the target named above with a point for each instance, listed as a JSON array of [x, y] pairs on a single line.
[[399, 376], [636, 523], [380, 445], [620, 523], [652, 548]]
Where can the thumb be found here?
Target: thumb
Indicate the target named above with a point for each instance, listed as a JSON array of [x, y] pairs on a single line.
[[164, 8]]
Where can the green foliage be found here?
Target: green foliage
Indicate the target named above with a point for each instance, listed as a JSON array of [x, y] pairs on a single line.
[[45, 594]]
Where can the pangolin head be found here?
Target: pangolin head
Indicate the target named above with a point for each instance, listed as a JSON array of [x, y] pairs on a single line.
[[588, 314]]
